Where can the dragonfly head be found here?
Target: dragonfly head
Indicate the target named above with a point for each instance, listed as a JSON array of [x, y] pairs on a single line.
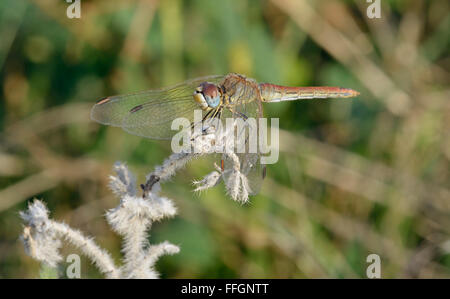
[[207, 95]]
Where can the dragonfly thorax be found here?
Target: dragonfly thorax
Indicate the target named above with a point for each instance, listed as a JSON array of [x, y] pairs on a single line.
[[207, 95]]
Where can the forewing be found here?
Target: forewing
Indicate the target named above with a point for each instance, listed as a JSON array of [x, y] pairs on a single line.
[[150, 113], [154, 119]]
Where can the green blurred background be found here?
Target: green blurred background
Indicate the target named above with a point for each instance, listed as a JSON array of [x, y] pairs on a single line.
[[355, 177]]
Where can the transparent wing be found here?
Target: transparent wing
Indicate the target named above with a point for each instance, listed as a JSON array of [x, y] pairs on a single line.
[[154, 119], [250, 162], [150, 113]]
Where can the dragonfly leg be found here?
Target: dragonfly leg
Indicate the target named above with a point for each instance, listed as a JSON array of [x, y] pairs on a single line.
[[204, 117], [245, 117], [216, 113]]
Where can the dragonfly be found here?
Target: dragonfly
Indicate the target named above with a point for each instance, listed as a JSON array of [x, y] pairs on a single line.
[[150, 113]]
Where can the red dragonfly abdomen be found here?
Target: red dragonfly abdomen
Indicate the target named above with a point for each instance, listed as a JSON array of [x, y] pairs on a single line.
[[276, 93]]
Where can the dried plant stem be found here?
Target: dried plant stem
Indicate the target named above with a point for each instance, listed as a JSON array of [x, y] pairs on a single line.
[[98, 256], [132, 219]]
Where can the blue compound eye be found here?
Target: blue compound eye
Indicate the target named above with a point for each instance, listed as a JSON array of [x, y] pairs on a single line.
[[211, 94], [213, 102]]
